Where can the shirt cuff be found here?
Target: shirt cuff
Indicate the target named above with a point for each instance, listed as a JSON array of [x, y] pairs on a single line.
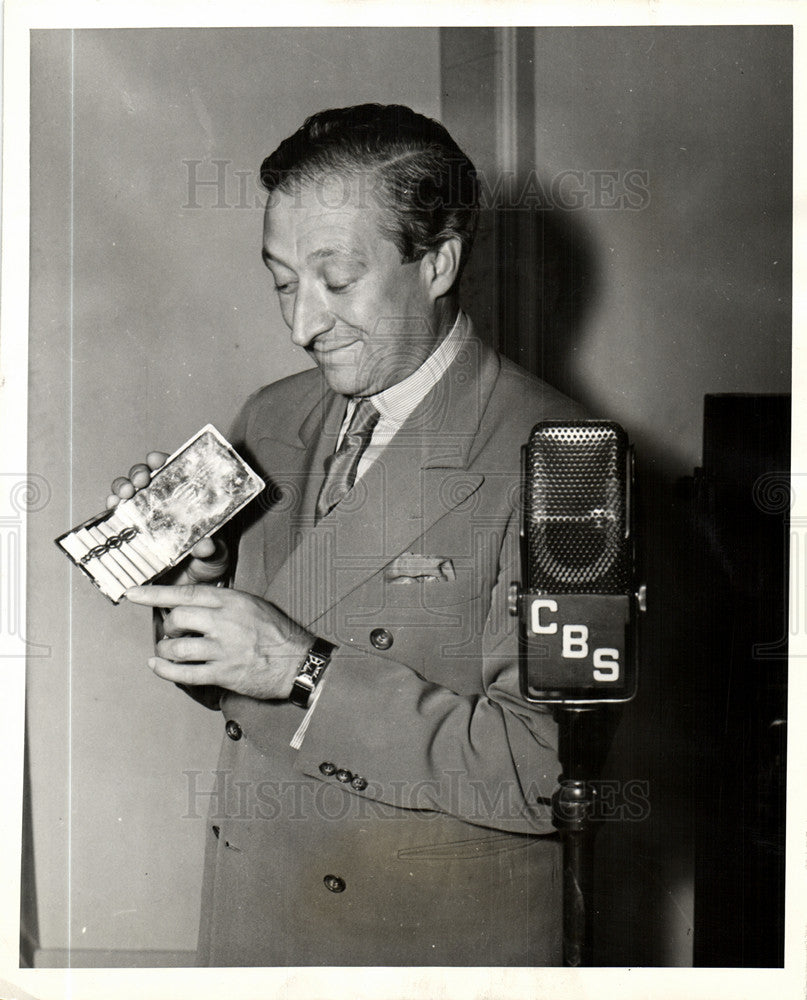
[[297, 740]]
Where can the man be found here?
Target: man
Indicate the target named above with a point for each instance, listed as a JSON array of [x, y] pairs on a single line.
[[384, 791]]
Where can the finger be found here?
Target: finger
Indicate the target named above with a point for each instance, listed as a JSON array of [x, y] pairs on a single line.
[[112, 501], [203, 549], [188, 649], [140, 475], [182, 673], [204, 565], [183, 619], [156, 459], [192, 595], [123, 488]]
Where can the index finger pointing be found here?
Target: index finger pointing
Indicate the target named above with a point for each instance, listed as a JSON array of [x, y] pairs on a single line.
[[187, 595]]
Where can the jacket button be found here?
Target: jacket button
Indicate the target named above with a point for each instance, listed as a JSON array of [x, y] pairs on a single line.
[[359, 784], [334, 883], [344, 775], [381, 638], [233, 730], [327, 768]]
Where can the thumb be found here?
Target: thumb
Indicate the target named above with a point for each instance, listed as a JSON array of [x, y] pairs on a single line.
[[209, 560]]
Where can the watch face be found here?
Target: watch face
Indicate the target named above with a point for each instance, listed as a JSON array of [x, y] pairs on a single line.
[[314, 666]]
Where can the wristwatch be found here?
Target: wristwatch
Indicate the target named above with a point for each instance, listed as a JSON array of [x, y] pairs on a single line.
[[310, 673]]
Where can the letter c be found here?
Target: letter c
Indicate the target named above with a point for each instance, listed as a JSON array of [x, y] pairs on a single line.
[[535, 617]]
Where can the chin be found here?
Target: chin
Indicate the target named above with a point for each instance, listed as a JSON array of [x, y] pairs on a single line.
[[341, 370], [344, 382], [344, 387]]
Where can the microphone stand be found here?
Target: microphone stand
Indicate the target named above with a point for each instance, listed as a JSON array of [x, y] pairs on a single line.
[[580, 749]]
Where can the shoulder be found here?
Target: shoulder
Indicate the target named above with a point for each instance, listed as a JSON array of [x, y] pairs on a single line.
[[281, 405], [292, 389], [517, 402], [520, 400], [514, 378]]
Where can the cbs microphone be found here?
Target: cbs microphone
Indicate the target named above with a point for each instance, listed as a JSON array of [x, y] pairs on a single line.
[[577, 604]]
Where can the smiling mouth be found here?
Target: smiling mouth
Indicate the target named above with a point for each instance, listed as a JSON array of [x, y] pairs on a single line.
[[332, 347]]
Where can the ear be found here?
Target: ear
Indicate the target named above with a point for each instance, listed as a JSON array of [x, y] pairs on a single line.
[[439, 268]]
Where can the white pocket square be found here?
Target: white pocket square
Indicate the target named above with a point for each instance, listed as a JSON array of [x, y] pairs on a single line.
[[413, 568]]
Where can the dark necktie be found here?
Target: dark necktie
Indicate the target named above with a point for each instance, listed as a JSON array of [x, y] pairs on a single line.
[[341, 466]]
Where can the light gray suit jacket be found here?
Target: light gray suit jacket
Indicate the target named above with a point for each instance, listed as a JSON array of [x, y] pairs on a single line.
[[412, 826]]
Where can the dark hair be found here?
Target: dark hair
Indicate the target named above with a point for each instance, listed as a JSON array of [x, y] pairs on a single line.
[[427, 187]]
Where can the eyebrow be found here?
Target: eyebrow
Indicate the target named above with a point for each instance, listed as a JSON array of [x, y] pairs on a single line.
[[338, 250], [325, 253]]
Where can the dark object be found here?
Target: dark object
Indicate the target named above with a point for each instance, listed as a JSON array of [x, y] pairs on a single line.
[[575, 519], [577, 638], [741, 502], [310, 673], [577, 604], [583, 735], [233, 730], [334, 883], [381, 638]]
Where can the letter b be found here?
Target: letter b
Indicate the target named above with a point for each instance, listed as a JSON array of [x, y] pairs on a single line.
[[575, 642]]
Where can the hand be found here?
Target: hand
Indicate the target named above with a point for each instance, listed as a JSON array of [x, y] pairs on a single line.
[[209, 558], [241, 642]]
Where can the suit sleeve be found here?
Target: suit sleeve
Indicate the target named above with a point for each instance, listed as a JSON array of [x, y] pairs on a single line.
[[488, 758]]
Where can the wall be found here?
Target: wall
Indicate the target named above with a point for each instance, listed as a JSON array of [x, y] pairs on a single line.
[[151, 314], [692, 291]]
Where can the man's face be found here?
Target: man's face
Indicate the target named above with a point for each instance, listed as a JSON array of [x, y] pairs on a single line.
[[367, 319]]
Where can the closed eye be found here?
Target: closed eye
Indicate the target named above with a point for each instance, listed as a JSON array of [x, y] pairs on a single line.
[[337, 289]]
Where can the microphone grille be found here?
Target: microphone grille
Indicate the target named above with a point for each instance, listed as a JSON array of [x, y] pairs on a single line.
[[575, 520]]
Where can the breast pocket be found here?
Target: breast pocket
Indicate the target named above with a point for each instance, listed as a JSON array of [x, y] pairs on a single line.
[[416, 601]]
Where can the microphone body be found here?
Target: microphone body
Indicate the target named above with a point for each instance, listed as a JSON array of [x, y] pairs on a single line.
[[577, 604]]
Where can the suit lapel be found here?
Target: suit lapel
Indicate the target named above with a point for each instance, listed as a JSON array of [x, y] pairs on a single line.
[[290, 459], [419, 477]]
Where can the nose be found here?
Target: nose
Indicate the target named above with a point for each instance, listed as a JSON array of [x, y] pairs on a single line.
[[310, 316]]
